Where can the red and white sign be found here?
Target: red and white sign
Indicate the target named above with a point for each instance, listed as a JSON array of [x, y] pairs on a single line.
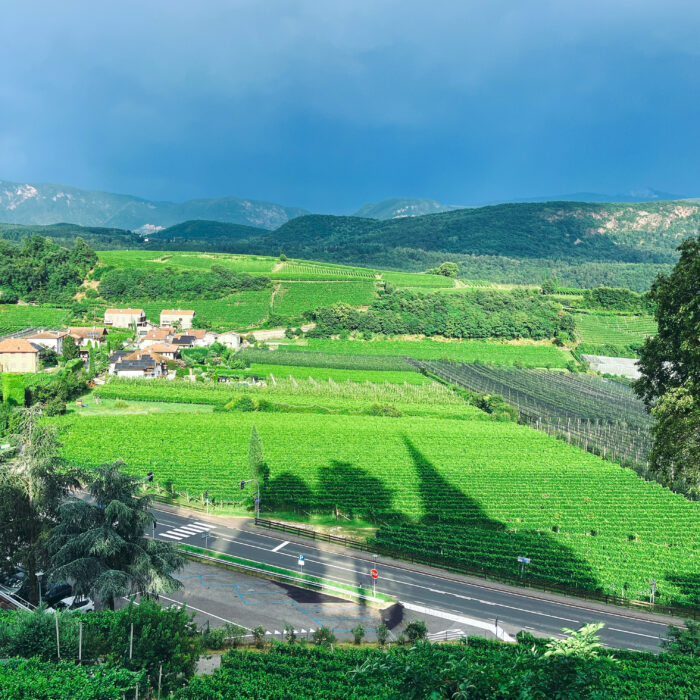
[[374, 573]]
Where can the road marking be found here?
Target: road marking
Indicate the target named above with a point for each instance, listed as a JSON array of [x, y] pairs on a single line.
[[193, 529], [207, 525], [172, 537], [637, 634], [204, 612], [279, 546], [179, 531]]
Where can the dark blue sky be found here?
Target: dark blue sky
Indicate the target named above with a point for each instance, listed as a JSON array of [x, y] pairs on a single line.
[[329, 104]]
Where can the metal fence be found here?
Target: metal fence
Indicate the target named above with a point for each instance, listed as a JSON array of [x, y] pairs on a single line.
[[692, 613]]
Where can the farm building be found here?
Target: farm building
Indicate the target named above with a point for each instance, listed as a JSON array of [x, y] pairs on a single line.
[[140, 365], [169, 317], [88, 335], [19, 355], [49, 339], [124, 318], [230, 339]]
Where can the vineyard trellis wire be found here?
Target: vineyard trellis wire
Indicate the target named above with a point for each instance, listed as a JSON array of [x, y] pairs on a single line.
[[603, 417]]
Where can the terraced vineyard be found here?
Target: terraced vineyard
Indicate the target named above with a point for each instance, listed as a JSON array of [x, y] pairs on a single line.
[[473, 491], [602, 416], [321, 374], [294, 298], [306, 270]]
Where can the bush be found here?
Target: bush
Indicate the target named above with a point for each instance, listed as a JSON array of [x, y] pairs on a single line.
[[246, 404], [415, 630], [259, 636], [377, 409], [382, 634], [323, 637], [358, 633], [55, 407], [289, 634]]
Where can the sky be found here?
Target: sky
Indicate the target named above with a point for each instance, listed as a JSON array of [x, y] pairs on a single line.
[[328, 105]]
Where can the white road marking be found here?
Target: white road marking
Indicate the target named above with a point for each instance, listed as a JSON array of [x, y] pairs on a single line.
[[207, 525], [637, 634], [179, 531], [172, 537], [279, 546], [204, 612]]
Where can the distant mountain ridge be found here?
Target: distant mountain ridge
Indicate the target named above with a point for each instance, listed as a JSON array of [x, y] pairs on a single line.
[[400, 207], [45, 203]]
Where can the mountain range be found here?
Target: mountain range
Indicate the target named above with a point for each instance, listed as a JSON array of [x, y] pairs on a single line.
[[44, 203]]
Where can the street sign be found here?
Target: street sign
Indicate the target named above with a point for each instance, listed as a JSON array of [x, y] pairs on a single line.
[[523, 560], [653, 585], [374, 573], [301, 560]]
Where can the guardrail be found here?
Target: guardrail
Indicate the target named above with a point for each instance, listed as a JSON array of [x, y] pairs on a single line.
[[608, 599]]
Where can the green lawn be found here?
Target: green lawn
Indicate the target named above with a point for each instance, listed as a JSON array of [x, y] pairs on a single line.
[[529, 355]]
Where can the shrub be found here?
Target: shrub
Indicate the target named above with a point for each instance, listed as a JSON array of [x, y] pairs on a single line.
[[55, 407], [378, 409], [245, 404], [382, 634], [358, 633], [323, 637], [415, 630], [259, 636], [289, 634]]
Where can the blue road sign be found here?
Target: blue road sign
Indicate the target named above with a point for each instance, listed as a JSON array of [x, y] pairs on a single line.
[[301, 557]]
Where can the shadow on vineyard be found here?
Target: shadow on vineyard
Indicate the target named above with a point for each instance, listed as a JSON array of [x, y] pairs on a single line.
[[688, 584], [456, 529], [342, 488]]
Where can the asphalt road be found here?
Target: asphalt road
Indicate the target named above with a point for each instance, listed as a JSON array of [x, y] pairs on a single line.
[[514, 611]]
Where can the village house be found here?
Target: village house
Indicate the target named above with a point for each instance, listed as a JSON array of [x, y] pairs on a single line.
[[184, 340], [203, 337], [116, 357], [85, 336], [230, 339], [169, 317], [125, 318], [19, 355], [52, 340], [166, 350], [140, 364], [156, 335]]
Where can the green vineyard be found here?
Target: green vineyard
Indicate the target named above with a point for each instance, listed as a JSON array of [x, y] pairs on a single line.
[[472, 491]]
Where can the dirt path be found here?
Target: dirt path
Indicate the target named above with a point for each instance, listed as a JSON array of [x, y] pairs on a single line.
[[277, 288]]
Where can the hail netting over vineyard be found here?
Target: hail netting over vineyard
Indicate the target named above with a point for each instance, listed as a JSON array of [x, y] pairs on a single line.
[[602, 416]]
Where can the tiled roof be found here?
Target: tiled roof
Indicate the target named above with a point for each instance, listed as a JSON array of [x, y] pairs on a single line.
[[47, 335], [18, 345], [161, 347], [177, 312], [125, 311]]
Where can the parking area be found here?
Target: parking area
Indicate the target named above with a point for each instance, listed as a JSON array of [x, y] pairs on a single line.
[[217, 596]]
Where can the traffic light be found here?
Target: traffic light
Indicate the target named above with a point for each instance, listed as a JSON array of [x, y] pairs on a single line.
[[242, 485]]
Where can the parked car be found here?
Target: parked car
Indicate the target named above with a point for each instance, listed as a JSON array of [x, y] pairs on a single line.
[[13, 582], [54, 592], [73, 603]]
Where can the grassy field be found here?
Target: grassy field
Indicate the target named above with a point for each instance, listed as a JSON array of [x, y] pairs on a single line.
[[293, 298], [15, 317], [614, 330], [478, 491], [410, 279], [529, 355]]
